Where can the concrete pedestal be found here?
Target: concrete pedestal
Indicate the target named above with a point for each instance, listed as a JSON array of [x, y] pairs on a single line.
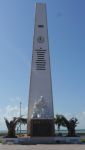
[[42, 127]]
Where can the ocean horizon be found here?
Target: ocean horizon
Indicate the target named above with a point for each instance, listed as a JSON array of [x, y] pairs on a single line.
[[60, 131]]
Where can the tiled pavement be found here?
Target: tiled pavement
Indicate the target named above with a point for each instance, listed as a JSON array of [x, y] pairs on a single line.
[[43, 147]]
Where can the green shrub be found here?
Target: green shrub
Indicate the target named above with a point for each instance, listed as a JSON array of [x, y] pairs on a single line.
[[0, 141], [83, 140]]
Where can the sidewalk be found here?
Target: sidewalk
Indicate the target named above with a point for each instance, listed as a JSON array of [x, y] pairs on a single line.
[[43, 147]]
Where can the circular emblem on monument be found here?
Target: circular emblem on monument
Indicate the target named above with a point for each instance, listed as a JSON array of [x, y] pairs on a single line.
[[40, 39]]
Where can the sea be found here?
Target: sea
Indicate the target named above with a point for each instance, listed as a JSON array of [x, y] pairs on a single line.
[[78, 131]]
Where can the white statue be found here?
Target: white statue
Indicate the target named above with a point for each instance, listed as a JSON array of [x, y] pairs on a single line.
[[40, 109]]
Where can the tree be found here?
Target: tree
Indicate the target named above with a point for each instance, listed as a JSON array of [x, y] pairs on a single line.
[[71, 126], [11, 125], [60, 120]]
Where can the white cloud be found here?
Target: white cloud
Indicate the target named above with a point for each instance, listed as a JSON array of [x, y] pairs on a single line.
[[83, 113], [9, 112]]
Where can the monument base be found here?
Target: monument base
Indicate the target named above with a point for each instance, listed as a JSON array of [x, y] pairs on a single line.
[[43, 140], [42, 127]]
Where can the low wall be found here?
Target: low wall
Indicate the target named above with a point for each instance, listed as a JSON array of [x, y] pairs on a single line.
[[42, 140]]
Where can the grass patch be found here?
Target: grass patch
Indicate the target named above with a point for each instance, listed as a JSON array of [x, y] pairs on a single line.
[[83, 140], [0, 141]]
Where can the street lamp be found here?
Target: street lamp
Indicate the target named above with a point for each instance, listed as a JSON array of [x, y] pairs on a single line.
[[20, 117]]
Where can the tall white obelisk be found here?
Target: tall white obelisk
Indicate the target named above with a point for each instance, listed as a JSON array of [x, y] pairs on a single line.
[[40, 106]]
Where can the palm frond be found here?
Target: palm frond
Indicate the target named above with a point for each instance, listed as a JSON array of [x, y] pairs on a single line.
[[20, 120], [7, 123]]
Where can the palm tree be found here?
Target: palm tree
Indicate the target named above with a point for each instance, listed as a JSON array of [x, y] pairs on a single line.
[[60, 120], [72, 123], [11, 125]]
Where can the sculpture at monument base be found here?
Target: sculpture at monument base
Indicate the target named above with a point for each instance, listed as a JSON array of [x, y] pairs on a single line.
[[40, 109], [40, 124]]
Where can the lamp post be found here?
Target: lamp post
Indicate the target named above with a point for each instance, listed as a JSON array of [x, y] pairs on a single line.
[[20, 117]]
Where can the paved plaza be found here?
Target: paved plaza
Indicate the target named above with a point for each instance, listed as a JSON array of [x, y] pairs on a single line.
[[43, 147]]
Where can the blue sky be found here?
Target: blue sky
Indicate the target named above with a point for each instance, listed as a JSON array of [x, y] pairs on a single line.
[[66, 24]]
